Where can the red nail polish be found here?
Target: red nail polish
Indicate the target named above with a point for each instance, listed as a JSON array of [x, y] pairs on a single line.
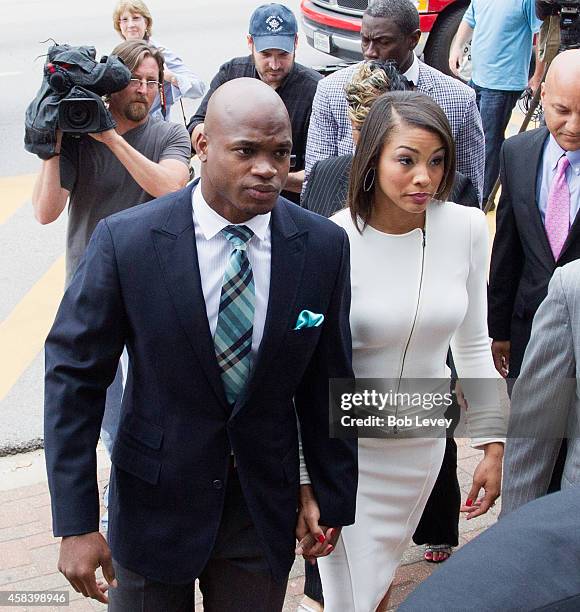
[[469, 502], [321, 538]]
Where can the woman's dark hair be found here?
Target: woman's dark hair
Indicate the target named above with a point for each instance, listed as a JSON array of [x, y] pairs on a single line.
[[414, 109]]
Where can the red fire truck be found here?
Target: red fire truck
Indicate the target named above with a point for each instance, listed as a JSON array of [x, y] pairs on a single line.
[[333, 27]]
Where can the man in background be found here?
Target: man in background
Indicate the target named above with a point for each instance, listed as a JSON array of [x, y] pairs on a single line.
[[101, 174], [537, 225], [501, 35], [390, 31], [272, 40], [545, 406]]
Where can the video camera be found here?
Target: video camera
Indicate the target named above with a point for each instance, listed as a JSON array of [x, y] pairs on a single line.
[[569, 11], [70, 97]]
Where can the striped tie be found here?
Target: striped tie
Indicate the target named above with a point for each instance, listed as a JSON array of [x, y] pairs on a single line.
[[233, 334]]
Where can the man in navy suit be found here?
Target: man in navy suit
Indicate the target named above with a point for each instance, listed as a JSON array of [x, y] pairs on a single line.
[[232, 330]]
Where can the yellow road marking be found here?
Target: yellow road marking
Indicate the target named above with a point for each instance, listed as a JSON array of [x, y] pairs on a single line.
[[23, 332], [14, 192]]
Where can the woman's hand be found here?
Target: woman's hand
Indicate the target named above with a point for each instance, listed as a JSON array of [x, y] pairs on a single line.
[[487, 475], [500, 349], [314, 540]]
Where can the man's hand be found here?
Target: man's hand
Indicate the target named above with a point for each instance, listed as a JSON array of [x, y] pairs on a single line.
[[487, 475], [500, 349], [79, 557], [462, 37], [108, 137], [534, 83], [314, 540], [455, 57]]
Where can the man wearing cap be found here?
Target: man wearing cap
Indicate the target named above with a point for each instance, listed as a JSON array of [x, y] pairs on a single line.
[[272, 40]]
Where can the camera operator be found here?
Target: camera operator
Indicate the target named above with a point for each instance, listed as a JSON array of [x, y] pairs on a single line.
[[103, 173]]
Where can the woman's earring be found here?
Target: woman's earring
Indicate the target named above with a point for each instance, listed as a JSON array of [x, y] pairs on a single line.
[[369, 179]]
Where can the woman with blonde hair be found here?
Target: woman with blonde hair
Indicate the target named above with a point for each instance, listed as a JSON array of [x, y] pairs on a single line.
[[133, 21]]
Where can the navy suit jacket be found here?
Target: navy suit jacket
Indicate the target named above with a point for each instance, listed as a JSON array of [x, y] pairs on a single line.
[[139, 285]]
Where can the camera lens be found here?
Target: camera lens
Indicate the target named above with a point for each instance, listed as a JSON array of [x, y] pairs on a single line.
[[78, 116]]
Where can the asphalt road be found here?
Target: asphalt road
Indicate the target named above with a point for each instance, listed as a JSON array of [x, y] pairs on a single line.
[[205, 33]]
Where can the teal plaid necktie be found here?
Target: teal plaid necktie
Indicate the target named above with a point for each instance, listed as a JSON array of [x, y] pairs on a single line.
[[233, 334]]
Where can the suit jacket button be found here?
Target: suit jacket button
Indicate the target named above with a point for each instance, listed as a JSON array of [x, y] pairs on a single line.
[[218, 484]]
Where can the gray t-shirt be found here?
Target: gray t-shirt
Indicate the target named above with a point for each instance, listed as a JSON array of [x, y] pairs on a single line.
[[100, 185]]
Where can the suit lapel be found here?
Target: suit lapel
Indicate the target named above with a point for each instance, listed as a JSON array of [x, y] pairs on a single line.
[[529, 197], [287, 263], [177, 253], [342, 191], [573, 235]]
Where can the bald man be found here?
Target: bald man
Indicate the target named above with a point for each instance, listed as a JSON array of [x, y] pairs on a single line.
[[538, 228], [232, 335]]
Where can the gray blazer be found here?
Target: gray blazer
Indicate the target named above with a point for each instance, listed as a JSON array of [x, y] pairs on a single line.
[[545, 400]]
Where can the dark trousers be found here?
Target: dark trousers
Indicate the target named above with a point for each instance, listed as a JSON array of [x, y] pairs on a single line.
[[439, 522], [236, 578], [495, 107]]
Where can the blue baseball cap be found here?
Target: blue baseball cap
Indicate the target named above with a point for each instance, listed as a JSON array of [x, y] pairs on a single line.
[[273, 26]]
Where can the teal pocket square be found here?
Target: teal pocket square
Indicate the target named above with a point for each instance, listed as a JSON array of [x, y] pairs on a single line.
[[308, 319]]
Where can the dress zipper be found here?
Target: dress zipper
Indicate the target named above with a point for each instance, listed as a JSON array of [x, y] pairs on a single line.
[[396, 427]]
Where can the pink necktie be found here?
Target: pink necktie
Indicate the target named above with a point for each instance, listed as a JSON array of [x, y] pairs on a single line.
[[557, 222]]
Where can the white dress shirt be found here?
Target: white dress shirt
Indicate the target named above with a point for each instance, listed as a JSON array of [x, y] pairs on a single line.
[[213, 253], [412, 74]]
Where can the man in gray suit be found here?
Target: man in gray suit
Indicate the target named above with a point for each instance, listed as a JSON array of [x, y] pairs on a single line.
[[545, 401]]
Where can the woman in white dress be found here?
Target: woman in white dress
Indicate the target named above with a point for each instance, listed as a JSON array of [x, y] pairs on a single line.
[[418, 273]]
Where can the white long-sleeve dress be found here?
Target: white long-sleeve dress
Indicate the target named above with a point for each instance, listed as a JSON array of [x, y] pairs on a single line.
[[413, 296]]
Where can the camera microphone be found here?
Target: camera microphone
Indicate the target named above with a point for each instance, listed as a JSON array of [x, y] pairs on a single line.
[[58, 79]]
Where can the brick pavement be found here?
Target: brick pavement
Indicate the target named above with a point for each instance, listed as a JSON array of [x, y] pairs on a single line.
[[28, 552]]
